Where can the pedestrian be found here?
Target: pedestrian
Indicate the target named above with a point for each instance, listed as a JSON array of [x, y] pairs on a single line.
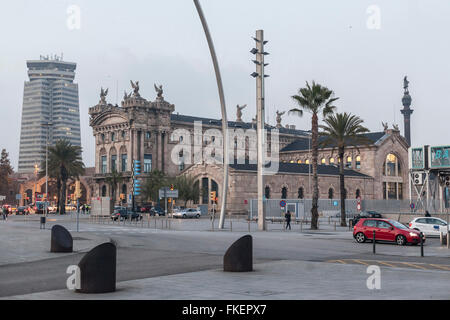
[[83, 208], [87, 208], [288, 219], [5, 213], [427, 214]]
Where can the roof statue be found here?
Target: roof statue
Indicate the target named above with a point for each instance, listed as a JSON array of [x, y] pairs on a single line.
[[135, 87], [239, 112], [279, 115], [159, 91], [103, 94], [406, 84], [385, 126], [395, 127]]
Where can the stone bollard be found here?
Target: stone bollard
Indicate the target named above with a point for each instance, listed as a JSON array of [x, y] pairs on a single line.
[[61, 240], [98, 269], [239, 256]]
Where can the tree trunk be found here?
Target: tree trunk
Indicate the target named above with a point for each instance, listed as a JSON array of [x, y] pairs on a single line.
[[58, 191], [342, 187], [62, 201], [315, 155]]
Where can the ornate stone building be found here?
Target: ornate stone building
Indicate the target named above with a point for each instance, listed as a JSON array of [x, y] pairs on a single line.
[[150, 131]]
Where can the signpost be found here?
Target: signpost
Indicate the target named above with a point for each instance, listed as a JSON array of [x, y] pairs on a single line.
[[167, 193]]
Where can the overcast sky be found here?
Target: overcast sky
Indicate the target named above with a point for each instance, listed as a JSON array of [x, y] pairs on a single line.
[[335, 43]]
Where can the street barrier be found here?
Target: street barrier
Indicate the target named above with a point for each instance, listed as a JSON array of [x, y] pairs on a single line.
[[239, 256], [421, 244], [98, 269], [61, 240], [374, 242]]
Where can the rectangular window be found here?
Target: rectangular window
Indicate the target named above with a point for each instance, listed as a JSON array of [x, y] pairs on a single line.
[[124, 163], [392, 191], [103, 164], [147, 163], [384, 190], [113, 163], [400, 191]]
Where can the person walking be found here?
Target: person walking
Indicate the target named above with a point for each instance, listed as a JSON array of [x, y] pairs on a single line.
[[427, 214], [83, 208], [287, 216], [5, 213]]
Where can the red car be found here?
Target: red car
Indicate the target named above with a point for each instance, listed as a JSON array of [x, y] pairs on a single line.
[[385, 230]]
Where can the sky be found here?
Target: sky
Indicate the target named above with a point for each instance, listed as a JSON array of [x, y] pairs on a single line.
[[359, 49]]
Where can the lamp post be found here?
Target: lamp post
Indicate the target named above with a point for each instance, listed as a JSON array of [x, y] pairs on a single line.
[[47, 125], [260, 117], [224, 113]]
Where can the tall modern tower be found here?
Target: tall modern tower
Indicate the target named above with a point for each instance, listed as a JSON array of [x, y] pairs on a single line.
[[50, 96], [407, 111]]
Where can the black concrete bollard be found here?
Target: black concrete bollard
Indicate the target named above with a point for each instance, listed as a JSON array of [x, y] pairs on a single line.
[[61, 240], [421, 244], [98, 269], [374, 242], [239, 256]]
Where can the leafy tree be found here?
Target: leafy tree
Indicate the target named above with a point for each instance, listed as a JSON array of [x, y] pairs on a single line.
[[314, 99], [187, 189], [155, 181], [64, 163], [5, 171], [340, 131]]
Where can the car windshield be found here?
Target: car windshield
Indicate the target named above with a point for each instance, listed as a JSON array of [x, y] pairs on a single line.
[[397, 224]]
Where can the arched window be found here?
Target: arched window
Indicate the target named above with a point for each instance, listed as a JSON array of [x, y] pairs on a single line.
[[323, 161], [301, 193], [104, 191], [267, 192], [330, 193], [392, 186], [307, 161], [348, 164], [390, 166], [331, 160], [123, 134], [113, 136], [292, 161], [358, 162], [148, 135], [358, 193], [284, 193], [103, 137], [299, 161]]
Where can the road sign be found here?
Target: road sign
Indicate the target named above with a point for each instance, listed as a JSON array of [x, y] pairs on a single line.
[[2, 198], [412, 206], [358, 206], [282, 203], [166, 192]]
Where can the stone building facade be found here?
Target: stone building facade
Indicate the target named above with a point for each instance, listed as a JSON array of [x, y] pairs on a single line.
[[151, 131]]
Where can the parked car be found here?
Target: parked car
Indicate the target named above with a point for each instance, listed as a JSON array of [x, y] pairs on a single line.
[[364, 215], [22, 210], [124, 214], [429, 226], [157, 211], [385, 230], [187, 213], [146, 208]]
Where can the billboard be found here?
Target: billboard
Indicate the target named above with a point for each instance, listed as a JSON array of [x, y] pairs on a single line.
[[439, 157], [417, 158]]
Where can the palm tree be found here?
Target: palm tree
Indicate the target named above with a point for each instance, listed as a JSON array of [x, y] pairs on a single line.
[[340, 131], [314, 99], [64, 163], [155, 181], [114, 179]]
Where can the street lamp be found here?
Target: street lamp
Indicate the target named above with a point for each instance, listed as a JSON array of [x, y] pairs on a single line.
[[47, 125], [259, 75], [224, 113]]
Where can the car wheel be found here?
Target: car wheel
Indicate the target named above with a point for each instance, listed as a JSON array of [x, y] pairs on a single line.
[[184, 216], [360, 237], [197, 216], [401, 240]]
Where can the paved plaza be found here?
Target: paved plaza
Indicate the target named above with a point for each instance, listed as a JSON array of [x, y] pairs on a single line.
[[184, 261]]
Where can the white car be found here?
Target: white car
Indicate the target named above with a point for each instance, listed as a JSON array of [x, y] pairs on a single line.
[[187, 213], [429, 226]]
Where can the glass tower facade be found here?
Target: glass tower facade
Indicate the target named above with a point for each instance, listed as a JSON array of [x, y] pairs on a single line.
[[50, 96]]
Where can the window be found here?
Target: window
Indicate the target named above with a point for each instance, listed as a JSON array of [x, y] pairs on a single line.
[[307, 161], [148, 135], [113, 163], [103, 164], [147, 163], [103, 137], [358, 162], [390, 166], [330, 193], [113, 136], [331, 160], [358, 193], [392, 190], [301, 193], [370, 223], [323, 161], [124, 162], [267, 192], [123, 134], [292, 161], [299, 161], [383, 225], [104, 191], [284, 193], [421, 220], [348, 164]]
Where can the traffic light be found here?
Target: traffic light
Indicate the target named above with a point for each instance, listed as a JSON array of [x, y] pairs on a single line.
[[212, 196], [171, 187]]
